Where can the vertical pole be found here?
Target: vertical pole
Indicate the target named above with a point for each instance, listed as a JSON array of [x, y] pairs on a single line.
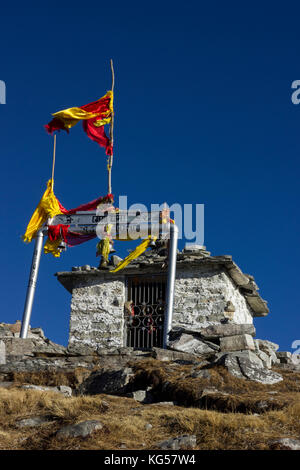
[[32, 283], [111, 129], [53, 160], [171, 283]]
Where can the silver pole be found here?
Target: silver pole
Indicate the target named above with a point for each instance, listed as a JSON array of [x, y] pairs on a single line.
[[32, 283], [171, 283]]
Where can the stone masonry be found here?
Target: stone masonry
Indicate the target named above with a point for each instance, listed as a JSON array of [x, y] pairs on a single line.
[[97, 317]]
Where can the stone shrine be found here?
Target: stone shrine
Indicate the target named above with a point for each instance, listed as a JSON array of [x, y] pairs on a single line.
[[126, 309]]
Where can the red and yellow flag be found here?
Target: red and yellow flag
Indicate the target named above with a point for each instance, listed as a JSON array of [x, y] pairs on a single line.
[[94, 116]]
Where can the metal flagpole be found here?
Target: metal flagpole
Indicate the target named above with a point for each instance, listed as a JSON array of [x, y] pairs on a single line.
[[32, 283], [171, 283], [35, 265]]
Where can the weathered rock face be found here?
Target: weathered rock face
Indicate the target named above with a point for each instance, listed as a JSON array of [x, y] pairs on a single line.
[[113, 382]]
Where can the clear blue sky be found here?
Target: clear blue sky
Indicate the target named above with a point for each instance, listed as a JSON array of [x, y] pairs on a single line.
[[203, 115]]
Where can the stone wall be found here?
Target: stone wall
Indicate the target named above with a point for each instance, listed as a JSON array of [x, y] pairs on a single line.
[[97, 314], [202, 296]]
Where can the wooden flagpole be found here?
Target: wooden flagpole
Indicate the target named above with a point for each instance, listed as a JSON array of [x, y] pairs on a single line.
[[111, 131], [53, 161]]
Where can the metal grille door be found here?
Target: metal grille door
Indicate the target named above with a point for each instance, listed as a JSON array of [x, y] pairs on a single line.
[[144, 311]]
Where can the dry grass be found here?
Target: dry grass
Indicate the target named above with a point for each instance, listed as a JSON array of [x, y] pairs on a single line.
[[226, 421], [174, 382], [125, 422], [50, 378]]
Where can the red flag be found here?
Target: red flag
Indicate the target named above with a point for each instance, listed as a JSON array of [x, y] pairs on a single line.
[[97, 134]]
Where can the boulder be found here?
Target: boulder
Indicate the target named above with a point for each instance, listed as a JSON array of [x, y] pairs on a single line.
[[114, 382], [193, 345], [237, 343], [33, 421], [82, 429], [177, 443], [246, 364]]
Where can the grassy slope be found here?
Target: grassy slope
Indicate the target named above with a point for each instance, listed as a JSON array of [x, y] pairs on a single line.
[[125, 419]]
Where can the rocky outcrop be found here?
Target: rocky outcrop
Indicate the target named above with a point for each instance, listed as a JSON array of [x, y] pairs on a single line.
[[113, 382], [246, 364], [232, 346]]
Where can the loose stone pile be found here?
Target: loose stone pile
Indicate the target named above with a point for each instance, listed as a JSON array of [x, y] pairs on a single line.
[[230, 345]]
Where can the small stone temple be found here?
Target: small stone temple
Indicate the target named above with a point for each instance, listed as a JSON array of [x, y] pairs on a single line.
[[126, 308]]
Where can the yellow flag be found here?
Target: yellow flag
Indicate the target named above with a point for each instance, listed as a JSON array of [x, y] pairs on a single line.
[[48, 207], [51, 246], [134, 254]]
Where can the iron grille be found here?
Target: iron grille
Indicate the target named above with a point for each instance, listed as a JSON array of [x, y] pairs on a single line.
[[144, 312]]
